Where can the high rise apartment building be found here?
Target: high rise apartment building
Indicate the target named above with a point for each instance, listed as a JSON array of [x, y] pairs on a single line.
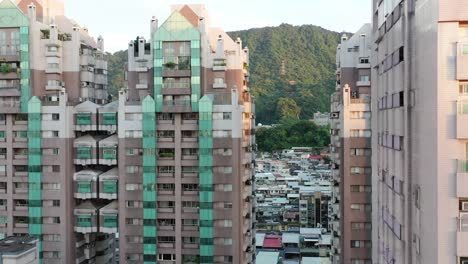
[[168, 166], [50, 68], [419, 88], [186, 135], [350, 216]]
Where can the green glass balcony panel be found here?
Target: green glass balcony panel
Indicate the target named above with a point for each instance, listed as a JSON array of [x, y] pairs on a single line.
[[83, 119], [109, 119], [109, 153], [84, 187], [110, 187], [83, 221], [110, 221], [22, 134], [83, 153], [2, 134]]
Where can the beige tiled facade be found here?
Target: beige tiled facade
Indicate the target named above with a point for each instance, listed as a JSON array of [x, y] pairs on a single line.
[[350, 217], [419, 150]]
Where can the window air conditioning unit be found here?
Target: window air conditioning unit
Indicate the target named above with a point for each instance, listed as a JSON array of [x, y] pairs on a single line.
[[464, 261], [91, 69], [335, 115], [464, 207], [84, 84]]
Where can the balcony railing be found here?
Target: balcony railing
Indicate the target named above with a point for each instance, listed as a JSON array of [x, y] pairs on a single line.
[[175, 85]]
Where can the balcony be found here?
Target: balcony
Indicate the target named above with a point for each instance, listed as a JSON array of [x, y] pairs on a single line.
[[219, 65], [85, 150], [177, 106], [108, 187], [83, 121], [176, 87], [219, 85], [109, 219], [86, 218], [10, 54], [86, 184], [108, 151], [462, 61], [9, 107]]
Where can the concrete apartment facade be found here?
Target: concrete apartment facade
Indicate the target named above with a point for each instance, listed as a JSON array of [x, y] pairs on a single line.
[[350, 217], [419, 129], [186, 140], [50, 69], [168, 166]]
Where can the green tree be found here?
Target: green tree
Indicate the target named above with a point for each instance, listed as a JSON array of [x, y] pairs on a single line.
[[288, 108], [292, 133]]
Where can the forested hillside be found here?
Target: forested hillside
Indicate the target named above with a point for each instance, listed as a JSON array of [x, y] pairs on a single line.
[[292, 70]]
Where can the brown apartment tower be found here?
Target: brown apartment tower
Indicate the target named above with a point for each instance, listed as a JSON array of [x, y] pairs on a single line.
[[186, 136], [351, 206], [163, 173]]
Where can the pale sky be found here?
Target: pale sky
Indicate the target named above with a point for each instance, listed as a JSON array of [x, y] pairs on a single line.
[[120, 21]]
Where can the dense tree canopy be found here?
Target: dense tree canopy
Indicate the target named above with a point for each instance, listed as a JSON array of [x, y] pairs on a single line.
[[292, 133], [293, 62]]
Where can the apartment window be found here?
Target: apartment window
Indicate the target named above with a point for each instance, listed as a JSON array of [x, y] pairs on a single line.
[[165, 116], [132, 221], [166, 239], [189, 116], [190, 204], [133, 204], [223, 152], [166, 204], [133, 134], [189, 152], [361, 207], [227, 205], [361, 152], [134, 239], [227, 223], [228, 187], [171, 257], [361, 244], [189, 187], [190, 240], [132, 169], [222, 133], [133, 117], [366, 133], [361, 225], [361, 188], [133, 187], [166, 187], [190, 222], [228, 241], [360, 115], [218, 80], [363, 78], [133, 151], [54, 237], [51, 254], [54, 83], [55, 203]]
